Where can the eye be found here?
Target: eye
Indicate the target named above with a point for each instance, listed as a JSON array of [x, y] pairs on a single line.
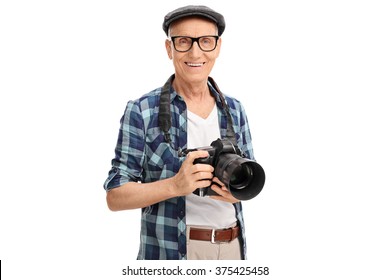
[[206, 40], [183, 41]]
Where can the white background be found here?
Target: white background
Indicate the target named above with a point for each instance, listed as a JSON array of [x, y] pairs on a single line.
[[312, 75]]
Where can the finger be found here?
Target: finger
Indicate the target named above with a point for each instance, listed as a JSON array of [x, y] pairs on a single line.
[[203, 175], [219, 190], [192, 156], [202, 184], [202, 168], [220, 198], [218, 182], [224, 194], [223, 198]]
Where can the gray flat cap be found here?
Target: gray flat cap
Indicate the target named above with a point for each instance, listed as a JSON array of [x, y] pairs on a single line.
[[192, 10]]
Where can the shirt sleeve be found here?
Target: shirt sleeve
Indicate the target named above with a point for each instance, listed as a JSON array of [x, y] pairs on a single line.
[[245, 134], [129, 152], [241, 127]]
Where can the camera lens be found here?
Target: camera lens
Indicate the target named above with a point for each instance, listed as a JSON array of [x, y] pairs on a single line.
[[244, 178], [241, 177]]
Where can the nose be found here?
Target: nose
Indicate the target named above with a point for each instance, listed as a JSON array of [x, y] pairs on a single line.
[[195, 50]]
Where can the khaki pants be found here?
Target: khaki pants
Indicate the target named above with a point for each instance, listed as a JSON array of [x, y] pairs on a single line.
[[205, 250]]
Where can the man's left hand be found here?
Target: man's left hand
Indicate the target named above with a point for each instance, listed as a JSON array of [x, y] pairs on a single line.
[[222, 190]]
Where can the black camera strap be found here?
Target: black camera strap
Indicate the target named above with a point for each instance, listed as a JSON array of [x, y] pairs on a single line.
[[230, 131], [164, 113], [165, 118]]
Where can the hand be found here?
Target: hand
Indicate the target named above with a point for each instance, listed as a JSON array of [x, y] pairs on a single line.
[[192, 176], [222, 190]]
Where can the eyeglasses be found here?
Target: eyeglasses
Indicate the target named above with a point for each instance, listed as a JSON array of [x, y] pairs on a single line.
[[184, 43]]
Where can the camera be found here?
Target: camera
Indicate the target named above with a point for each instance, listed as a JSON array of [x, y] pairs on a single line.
[[244, 178]]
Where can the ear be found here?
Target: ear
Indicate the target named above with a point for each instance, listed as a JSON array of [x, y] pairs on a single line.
[[219, 46], [168, 47]]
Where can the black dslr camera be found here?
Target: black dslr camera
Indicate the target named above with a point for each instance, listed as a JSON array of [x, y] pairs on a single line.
[[244, 178]]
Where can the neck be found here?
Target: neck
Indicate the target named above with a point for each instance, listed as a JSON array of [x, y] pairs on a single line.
[[198, 91], [197, 96]]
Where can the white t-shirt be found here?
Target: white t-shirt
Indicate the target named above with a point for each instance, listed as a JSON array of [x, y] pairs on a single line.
[[204, 211]]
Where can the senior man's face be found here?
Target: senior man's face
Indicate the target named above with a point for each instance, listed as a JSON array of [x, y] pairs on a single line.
[[194, 65]]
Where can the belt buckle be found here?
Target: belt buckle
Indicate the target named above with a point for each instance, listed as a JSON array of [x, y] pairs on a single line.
[[213, 236]]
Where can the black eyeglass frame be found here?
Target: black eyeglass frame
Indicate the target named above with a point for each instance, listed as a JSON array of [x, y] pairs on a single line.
[[195, 39]]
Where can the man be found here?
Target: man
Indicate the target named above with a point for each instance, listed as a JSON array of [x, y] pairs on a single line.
[[150, 170]]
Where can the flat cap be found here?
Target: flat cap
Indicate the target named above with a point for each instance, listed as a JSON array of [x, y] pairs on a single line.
[[193, 10]]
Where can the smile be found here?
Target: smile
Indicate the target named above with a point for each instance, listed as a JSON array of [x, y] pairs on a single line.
[[195, 64]]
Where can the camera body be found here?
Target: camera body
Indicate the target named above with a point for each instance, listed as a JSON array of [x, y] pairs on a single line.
[[244, 178]]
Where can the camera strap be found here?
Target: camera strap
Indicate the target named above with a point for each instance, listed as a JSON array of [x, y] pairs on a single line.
[[229, 131], [165, 118], [164, 113]]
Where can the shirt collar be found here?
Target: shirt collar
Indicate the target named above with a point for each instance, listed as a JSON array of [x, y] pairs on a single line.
[[213, 91]]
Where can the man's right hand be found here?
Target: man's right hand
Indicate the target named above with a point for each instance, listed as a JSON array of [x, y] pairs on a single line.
[[192, 176]]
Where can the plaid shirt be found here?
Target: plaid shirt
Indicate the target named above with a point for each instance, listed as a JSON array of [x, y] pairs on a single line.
[[142, 155]]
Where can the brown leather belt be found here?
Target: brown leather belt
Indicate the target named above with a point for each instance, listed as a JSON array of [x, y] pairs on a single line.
[[214, 236]]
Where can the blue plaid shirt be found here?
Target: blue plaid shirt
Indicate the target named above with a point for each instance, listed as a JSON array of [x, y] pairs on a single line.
[[142, 155]]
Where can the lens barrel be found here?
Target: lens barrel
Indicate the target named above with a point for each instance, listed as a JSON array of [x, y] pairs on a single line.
[[243, 177]]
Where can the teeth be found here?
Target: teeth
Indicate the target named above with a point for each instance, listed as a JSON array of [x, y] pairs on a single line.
[[194, 64]]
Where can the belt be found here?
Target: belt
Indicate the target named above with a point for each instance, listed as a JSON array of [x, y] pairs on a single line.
[[213, 235]]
